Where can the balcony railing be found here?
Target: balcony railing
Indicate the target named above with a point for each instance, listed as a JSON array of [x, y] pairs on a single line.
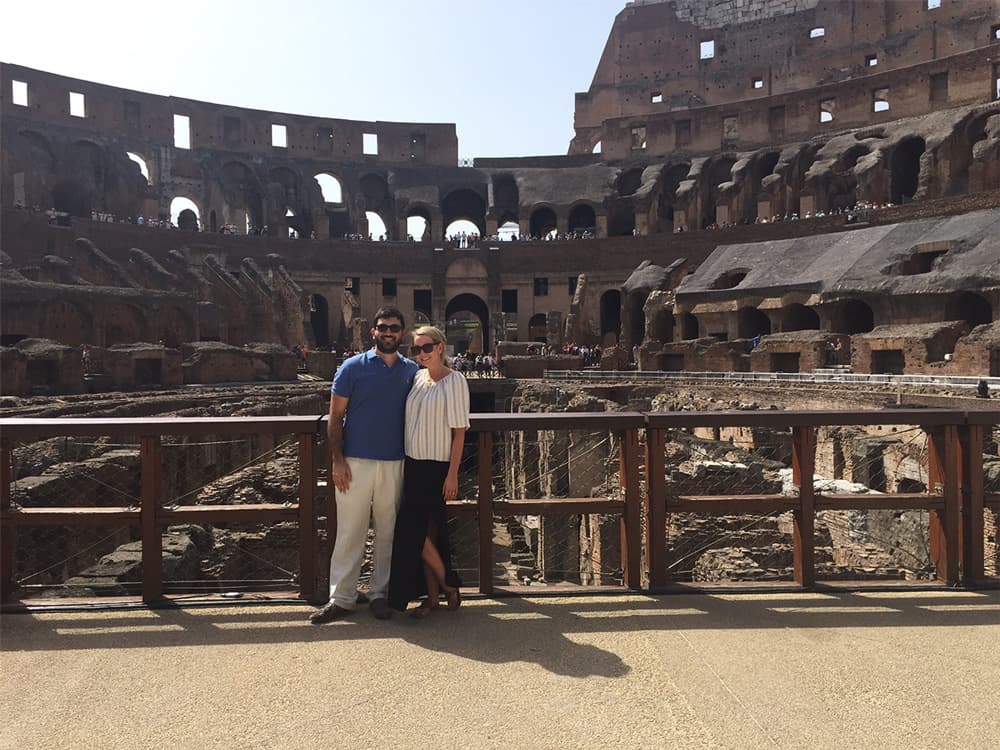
[[592, 498]]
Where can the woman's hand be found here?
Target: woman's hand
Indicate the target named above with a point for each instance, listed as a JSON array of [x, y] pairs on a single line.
[[450, 489]]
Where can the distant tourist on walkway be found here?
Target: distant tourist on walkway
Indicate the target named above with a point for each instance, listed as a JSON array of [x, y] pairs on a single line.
[[437, 417], [365, 433]]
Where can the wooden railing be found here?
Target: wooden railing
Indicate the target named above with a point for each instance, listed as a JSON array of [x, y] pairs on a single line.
[[956, 499]]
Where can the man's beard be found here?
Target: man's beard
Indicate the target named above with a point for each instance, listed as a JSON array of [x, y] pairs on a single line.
[[386, 348]]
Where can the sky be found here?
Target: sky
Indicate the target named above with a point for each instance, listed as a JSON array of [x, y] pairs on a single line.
[[504, 72]]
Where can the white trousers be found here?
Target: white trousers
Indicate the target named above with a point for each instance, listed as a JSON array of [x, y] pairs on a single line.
[[375, 491]]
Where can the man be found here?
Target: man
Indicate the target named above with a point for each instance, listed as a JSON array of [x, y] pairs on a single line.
[[365, 433]]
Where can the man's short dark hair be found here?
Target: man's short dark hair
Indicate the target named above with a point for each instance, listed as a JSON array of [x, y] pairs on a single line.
[[389, 312]]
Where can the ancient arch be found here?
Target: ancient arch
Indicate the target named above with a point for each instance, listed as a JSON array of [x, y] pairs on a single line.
[[670, 181], [752, 322], [763, 164], [331, 187], [973, 308], [538, 328], [720, 170], [458, 312], [173, 327], [464, 203], [662, 328], [185, 214], [629, 181], [637, 316], [418, 223], [582, 217], [689, 327], [141, 163], [965, 140], [123, 324], [72, 197], [543, 222], [852, 316], [611, 317], [797, 317], [621, 222], [506, 198], [905, 169], [243, 192], [67, 323], [319, 319]]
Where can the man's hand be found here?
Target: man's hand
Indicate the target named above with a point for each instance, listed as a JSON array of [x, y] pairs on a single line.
[[341, 475]]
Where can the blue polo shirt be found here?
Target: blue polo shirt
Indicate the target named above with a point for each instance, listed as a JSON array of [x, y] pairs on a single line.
[[373, 425]]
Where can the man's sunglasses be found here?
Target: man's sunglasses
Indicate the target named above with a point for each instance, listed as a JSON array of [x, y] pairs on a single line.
[[388, 328], [425, 348]]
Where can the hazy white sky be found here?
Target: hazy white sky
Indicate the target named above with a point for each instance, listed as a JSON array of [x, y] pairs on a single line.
[[504, 72]]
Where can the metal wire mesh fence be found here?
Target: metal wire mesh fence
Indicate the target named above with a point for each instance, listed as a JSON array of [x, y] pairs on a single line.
[[873, 544], [76, 472], [712, 461]]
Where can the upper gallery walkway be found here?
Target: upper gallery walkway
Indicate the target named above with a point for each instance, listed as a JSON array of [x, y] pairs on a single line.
[[897, 669]]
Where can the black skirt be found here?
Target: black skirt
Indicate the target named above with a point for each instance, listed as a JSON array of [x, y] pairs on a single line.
[[422, 508]]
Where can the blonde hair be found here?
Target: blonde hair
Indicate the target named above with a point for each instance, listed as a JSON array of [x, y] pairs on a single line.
[[436, 335]]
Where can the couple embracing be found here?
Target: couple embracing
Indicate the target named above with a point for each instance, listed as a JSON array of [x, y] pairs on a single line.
[[395, 432]]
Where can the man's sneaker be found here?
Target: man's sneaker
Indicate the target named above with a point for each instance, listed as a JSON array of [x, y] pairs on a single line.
[[380, 608], [329, 613]]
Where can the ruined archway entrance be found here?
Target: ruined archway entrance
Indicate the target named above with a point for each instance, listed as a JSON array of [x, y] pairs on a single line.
[[905, 166], [637, 316], [663, 326], [973, 308], [468, 323], [751, 323], [72, 198], [852, 316], [542, 223], [464, 204], [611, 317], [184, 214], [582, 219], [319, 317], [796, 317], [538, 328], [689, 327]]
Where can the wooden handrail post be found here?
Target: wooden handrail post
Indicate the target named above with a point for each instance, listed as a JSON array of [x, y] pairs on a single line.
[[485, 512], [945, 532], [971, 440], [7, 585], [307, 515], [152, 540], [803, 469], [656, 509], [631, 519]]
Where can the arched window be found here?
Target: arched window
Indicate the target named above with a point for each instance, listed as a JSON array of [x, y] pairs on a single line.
[[184, 213], [376, 227], [331, 187], [142, 165], [459, 226], [509, 231]]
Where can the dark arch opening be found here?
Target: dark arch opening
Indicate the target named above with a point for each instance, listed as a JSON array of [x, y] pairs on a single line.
[[689, 327], [72, 198], [420, 228], [464, 204], [637, 316], [319, 317], [543, 221], [538, 328], [854, 316], [905, 165], [611, 316], [798, 317], [751, 322], [629, 181], [621, 223], [467, 303], [663, 326], [187, 220], [243, 191], [506, 198], [719, 172], [582, 218], [973, 308], [730, 279], [672, 179], [962, 156], [763, 166], [212, 221]]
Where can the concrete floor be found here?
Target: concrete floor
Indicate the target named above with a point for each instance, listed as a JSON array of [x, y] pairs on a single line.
[[881, 670]]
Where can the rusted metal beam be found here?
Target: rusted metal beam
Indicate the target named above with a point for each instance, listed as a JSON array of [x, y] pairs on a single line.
[[485, 506], [971, 442], [16, 428], [307, 515], [631, 520], [901, 501], [85, 516], [943, 470], [249, 513], [558, 506], [152, 541], [803, 534], [656, 509], [6, 530], [718, 505]]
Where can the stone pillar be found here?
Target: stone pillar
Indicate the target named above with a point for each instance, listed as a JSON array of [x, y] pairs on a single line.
[[525, 227], [601, 228], [491, 226], [642, 223], [807, 205], [765, 209], [554, 329]]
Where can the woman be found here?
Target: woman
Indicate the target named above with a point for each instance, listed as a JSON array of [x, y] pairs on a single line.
[[437, 416]]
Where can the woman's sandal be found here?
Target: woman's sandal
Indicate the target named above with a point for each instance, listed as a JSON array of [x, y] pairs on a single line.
[[454, 598], [422, 611]]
